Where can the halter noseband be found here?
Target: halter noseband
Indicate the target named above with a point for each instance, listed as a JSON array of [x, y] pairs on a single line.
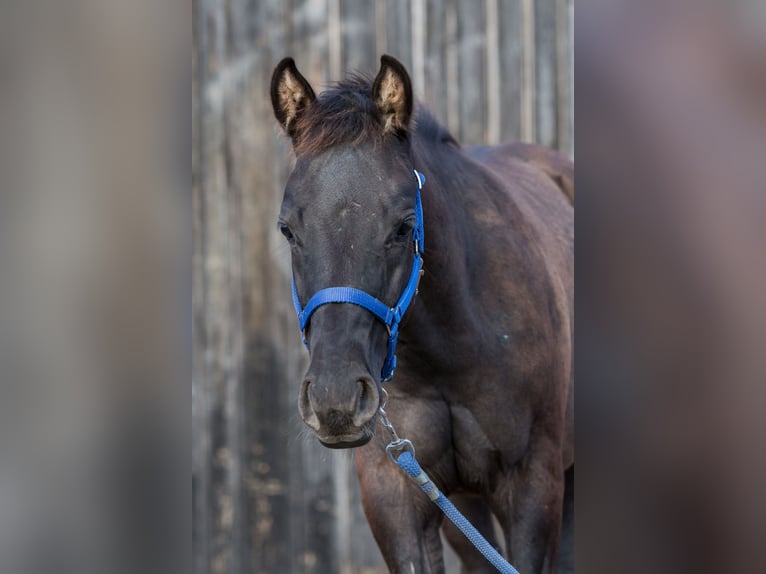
[[389, 316]]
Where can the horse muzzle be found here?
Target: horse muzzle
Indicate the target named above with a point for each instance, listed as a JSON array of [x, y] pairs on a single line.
[[341, 415]]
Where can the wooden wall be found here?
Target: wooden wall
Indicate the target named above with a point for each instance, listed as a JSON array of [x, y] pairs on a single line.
[[267, 497]]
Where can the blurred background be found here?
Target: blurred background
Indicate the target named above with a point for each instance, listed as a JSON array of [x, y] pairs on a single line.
[[267, 497]]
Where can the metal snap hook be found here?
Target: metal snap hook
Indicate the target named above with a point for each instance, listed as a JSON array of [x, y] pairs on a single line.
[[400, 445], [384, 418]]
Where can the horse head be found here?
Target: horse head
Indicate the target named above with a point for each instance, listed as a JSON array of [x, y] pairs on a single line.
[[349, 216]]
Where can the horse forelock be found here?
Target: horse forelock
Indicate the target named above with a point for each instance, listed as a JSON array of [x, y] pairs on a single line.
[[346, 113]]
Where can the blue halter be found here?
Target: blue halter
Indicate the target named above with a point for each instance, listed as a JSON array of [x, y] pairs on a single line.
[[390, 316]]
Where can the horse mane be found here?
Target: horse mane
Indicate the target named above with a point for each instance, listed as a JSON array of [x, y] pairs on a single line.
[[345, 113]]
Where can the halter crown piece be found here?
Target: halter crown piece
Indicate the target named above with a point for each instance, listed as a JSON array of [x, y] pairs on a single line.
[[389, 316]]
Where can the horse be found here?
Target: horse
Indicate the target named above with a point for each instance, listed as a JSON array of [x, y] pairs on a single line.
[[484, 377]]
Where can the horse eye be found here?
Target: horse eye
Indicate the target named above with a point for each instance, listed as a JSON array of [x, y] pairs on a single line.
[[284, 230], [405, 228]]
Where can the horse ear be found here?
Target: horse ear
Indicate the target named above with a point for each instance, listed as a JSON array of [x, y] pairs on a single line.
[[290, 94], [392, 93]]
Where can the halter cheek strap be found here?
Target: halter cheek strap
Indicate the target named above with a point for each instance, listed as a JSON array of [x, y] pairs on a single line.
[[389, 316]]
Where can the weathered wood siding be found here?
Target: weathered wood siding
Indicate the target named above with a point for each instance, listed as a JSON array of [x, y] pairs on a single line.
[[267, 497]]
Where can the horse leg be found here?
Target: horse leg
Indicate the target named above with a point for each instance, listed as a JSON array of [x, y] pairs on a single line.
[[531, 512], [475, 509], [404, 522]]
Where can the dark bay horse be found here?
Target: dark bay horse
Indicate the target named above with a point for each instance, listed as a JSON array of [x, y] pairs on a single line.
[[484, 383]]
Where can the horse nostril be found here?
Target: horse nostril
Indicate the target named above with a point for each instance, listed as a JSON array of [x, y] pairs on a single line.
[[306, 407], [369, 399]]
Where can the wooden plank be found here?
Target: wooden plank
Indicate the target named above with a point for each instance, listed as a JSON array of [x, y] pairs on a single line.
[[309, 41], [452, 66], [418, 26], [399, 31], [201, 487], [566, 77], [563, 84], [545, 72], [471, 73], [265, 395], [219, 345], [381, 39], [236, 29], [511, 45], [335, 48], [358, 36], [434, 91], [528, 99], [492, 86]]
